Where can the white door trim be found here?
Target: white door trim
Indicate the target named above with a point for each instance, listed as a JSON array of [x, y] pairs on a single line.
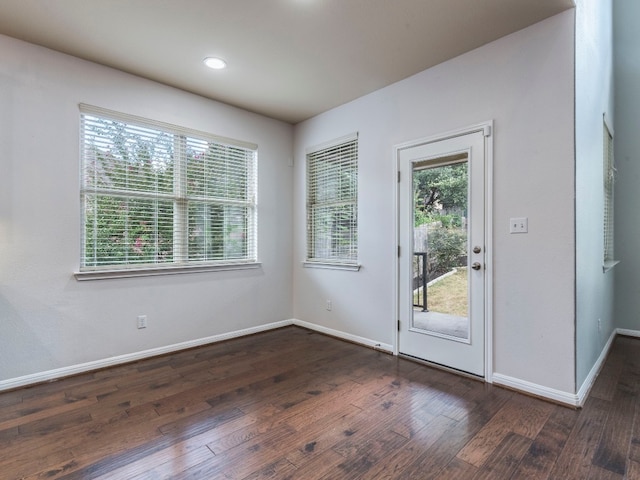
[[487, 128]]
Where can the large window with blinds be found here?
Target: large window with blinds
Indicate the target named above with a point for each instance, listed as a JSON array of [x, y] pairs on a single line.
[[158, 196], [332, 203]]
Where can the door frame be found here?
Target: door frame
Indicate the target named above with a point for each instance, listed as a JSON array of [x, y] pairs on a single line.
[[487, 129]]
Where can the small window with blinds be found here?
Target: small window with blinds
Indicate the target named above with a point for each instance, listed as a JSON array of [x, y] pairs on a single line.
[[158, 196], [332, 204], [609, 179]]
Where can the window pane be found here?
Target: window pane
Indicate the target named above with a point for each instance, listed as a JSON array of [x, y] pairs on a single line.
[[217, 171], [125, 157], [218, 232], [335, 231], [120, 231]]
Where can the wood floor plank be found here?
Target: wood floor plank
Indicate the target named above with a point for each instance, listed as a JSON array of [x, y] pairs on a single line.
[[419, 441], [239, 461], [318, 466], [62, 385], [31, 405], [504, 459], [362, 457], [295, 404], [43, 466], [547, 446], [281, 468], [387, 410], [178, 456], [575, 459], [232, 389], [612, 450], [166, 462], [633, 470], [321, 436], [242, 430], [634, 447], [434, 458], [525, 417], [457, 470], [138, 450], [45, 413], [302, 413], [605, 384], [98, 440], [8, 399], [597, 473]]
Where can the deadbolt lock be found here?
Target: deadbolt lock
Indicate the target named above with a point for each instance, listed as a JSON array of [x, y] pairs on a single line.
[[477, 249]]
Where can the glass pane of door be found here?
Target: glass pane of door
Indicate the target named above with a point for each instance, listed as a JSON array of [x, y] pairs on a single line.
[[440, 276]]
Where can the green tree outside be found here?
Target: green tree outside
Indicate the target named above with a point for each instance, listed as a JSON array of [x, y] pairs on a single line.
[[440, 201]]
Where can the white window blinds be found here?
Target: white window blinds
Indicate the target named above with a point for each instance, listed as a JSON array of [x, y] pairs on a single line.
[[332, 202], [609, 179], [159, 195]]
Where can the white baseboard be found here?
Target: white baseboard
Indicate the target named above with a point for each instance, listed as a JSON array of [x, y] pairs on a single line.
[[131, 357], [628, 333], [535, 389], [583, 391], [575, 400], [345, 336]]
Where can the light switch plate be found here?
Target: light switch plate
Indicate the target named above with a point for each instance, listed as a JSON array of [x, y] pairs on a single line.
[[518, 225]]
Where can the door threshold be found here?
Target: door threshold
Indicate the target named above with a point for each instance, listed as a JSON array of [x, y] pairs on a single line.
[[442, 367]]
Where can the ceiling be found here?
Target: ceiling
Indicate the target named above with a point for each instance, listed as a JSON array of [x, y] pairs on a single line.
[[287, 59]]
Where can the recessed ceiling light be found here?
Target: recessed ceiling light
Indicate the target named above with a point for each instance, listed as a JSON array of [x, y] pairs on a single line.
[[215, 63]]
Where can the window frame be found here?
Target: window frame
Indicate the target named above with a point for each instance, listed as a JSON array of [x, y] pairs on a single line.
[[347, 164], [180, 259]]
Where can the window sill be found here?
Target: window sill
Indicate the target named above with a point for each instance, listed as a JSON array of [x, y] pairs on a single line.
[[352, 267], [609, 264], [164, 270]]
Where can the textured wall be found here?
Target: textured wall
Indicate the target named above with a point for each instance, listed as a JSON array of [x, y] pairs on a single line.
[[594, 97], [48, 320], [524, 82], [627, 157]]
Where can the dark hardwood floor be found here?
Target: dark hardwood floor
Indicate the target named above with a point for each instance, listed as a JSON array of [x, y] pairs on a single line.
[[293, 404]]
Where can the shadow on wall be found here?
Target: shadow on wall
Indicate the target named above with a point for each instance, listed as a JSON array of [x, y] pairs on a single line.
[[16, 332]]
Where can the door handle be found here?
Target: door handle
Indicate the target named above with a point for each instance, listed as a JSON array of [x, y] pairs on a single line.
[[476, 265]]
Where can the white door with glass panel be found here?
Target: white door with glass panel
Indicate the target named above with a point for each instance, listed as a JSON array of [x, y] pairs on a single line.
[[442, 252]]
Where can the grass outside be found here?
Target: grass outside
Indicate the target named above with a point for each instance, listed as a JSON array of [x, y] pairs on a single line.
[[449, 295]]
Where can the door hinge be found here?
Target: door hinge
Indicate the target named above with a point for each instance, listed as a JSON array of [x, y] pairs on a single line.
[[398, 250], [398, 325], [398, 176]]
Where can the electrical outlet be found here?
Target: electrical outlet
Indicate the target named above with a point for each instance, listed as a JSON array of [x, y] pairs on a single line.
[[142, 321], [329, 306], [519, 225]]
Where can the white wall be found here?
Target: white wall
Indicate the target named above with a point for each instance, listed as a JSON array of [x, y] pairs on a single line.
[[525, 83], [48, 320], [594, 97], [627, 158]]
